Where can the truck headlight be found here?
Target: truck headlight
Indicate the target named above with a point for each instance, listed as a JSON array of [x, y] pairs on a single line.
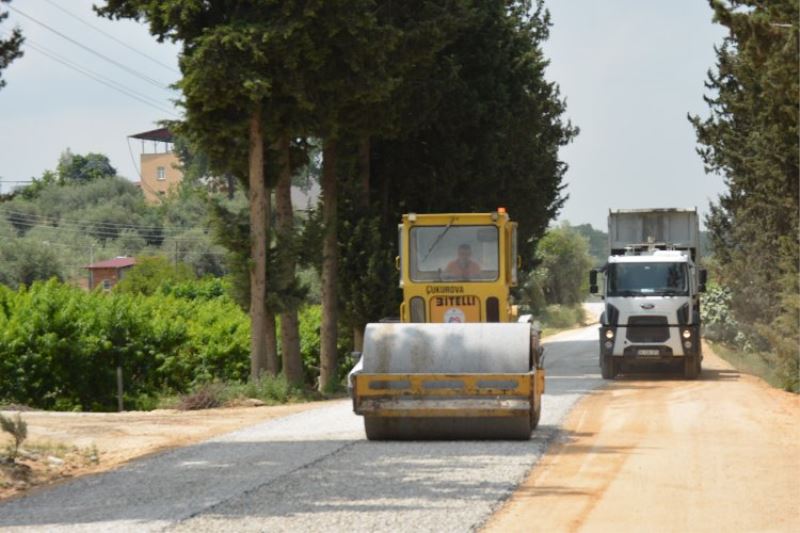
[[687, 334], [609, 334], [687, 345]]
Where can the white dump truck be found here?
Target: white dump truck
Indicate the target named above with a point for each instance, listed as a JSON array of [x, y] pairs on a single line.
[[651, 291]]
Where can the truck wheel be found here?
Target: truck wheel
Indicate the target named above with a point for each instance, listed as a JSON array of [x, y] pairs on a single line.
[[608, 369], [690, 367]]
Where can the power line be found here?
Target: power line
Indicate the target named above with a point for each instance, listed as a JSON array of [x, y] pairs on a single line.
[[89, 244], [105, 233], [89, 49], [82, 223], [100, 232], [98, 77], [119, 41]]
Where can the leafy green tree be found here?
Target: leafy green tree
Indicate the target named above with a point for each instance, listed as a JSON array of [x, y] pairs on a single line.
[[130, 243], [23, 261], [492, 136], [11, 47], [196, 249], [563, 263], [598, 243], [83, 168], [421, 29], [750, 138], [484, 128], [150, 273], [228, 75], [231, 228]]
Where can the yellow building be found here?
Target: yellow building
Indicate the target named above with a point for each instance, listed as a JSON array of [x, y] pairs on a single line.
[[159, 168]]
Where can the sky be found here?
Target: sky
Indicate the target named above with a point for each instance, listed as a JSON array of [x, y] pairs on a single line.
[[630, 71]]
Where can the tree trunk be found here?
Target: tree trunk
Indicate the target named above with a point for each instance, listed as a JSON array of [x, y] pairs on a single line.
[[271, 343], [358, 338], [290, 334], [259, 227], [328, 333], [364, 193]]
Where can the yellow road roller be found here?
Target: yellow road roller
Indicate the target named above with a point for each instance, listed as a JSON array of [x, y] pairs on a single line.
[[458, 364]]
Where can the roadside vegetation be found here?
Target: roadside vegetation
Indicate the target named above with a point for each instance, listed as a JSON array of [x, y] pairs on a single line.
[[554, 291], [60, 346], [750, 137], [747, 352], [83, 212], [428, 109]]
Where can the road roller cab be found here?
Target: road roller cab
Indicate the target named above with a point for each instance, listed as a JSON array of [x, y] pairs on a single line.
[[457, 365], [457, 268]]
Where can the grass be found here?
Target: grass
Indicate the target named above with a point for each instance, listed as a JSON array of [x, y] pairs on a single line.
[[269, 389], [751, 363]]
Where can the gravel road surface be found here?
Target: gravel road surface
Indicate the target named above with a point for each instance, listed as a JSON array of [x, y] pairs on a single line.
[[314, 471]]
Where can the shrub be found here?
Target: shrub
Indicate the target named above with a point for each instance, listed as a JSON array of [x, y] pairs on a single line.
[[269, 389], [18, 429], [150, 273], [60, 346], [207, 396], [716, 315]]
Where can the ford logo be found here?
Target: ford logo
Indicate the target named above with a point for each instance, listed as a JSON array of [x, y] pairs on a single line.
[[647, 306]]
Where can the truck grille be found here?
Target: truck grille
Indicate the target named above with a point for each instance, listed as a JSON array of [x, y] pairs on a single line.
[[648, 329]]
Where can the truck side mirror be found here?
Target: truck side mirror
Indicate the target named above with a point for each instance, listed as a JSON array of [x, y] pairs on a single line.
[[593, 281], [703, 279]]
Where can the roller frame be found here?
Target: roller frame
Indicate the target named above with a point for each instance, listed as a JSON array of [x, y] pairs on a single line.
[[436, 382], [478, 396]]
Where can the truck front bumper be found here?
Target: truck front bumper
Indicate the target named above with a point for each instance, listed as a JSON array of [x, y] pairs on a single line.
[[680, 341]]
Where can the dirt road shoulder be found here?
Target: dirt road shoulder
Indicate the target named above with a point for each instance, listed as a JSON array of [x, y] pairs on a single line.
[[662, 454], [111, 439]]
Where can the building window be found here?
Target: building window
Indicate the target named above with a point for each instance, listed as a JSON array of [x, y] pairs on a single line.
[[161, 174], [106, 284]]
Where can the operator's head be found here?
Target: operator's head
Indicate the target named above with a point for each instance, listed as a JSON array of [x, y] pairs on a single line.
[[464, 252]]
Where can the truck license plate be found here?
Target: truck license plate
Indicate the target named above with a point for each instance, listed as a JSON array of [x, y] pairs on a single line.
[[647, 353]]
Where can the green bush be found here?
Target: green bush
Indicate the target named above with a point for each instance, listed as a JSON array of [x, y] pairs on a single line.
[[149, 274], [60, 346], [765, 350]]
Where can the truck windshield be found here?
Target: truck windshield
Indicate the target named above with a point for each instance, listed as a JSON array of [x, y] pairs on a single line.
[[647, 279], [454, 253]]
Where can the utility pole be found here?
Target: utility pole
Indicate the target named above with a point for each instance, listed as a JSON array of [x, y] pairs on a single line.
[[91, 262]]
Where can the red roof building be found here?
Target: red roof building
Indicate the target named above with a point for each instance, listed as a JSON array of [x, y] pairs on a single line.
[[108, 273]]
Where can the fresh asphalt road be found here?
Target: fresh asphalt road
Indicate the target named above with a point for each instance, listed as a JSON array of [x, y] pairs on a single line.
[[315, 471]]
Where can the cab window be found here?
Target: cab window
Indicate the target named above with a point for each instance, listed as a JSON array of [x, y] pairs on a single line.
[[454, 253]]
